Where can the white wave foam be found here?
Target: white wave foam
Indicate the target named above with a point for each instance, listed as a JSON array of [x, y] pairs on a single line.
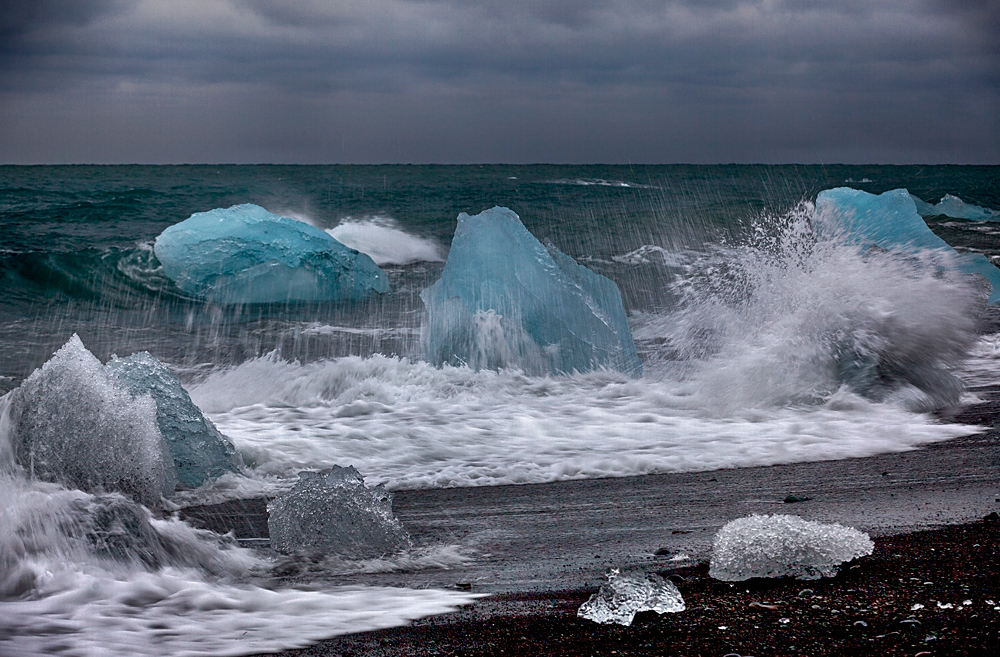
[[599, 182], [95, 575], [386, 243], [179, 613], [650, 253], [411, 425]]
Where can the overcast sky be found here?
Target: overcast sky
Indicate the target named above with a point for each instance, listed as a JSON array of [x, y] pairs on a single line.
[[460, 81]]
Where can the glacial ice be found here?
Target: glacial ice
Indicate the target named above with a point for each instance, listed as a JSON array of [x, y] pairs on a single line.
[[627, 593], [72, 423], [504, 300], [784, 546], [891, 221], [956, 208], [333, 512], [200, 452], [245, 254]]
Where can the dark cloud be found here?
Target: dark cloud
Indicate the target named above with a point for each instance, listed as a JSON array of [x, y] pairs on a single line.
[[410, 79]]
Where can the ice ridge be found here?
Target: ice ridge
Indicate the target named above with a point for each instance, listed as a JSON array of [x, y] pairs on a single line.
[[956, 208]]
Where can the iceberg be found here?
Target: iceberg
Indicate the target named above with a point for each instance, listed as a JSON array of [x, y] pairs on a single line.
[[956, 208], [245, 254], [504, 300], [891, 221], [71, 422], [783, 546], [626, 594], [333, 512], [199, 451]]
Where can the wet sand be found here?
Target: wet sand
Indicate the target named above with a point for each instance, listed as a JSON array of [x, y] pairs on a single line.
[[540, 550]]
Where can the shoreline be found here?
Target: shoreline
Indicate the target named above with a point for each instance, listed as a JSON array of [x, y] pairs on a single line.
[[867, 609]]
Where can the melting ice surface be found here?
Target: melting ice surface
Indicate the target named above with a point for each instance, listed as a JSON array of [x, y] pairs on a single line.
[[199, 452], [334, 513], [891, 221], [952, 206], [245, 254], [627, 593], [504, 300], [784, 546]]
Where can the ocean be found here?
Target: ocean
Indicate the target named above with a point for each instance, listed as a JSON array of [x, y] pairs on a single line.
[[764, 340]]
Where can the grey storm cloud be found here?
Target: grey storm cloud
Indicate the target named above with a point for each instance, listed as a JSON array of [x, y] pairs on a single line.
[[795, 73]]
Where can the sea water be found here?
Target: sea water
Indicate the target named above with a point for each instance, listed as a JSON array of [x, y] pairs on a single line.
[[764, 340]]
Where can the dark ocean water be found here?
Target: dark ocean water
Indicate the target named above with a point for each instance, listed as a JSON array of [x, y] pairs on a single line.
[[75, 241]]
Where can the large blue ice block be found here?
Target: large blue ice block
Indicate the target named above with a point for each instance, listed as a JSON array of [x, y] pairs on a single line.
[[891, 221], [200, 452], [504, 300], [245, 254]]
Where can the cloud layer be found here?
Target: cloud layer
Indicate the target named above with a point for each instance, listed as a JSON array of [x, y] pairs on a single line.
[[499, 80]]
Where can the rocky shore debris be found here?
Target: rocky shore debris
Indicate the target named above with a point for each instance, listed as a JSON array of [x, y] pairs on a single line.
[[784, 546], [333, 512], [627, 593]]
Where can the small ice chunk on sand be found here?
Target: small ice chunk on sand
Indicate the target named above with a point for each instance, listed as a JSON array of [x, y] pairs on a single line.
[[627, 593], [784, 546], [333, 512]]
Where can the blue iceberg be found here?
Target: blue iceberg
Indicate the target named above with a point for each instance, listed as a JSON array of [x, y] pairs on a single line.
[[891, 221], [504, 300], [245, 254], [200, 452], [956, 208]]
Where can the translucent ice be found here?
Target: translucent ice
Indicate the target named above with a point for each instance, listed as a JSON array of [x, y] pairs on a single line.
[[245, 254], [200, 452], [334, 513], [504, 300], [891, 221], [626, 594], [72, 423], [784, 546], [952, 206]]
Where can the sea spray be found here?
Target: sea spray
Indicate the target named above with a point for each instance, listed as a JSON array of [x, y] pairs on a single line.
[[790, 316]]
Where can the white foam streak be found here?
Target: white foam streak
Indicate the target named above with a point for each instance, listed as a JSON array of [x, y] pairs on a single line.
[[179, 613], [411, 425], [386, 243]]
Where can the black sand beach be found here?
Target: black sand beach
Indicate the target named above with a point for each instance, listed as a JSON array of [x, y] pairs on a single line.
[[539, 551]]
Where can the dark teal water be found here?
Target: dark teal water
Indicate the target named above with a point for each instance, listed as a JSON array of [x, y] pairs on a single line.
[[75, 257]]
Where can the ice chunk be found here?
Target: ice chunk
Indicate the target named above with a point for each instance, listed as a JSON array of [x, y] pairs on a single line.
[[626, 594], [72, 423], [245, 254], [504, 300], [333, 512], [200, 452], [784, 546], [952, 206], [891, 221]]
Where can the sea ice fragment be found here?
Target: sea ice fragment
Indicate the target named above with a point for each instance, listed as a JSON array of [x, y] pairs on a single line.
[[784, 546], [956, 208], [199, 451], [627, 593], [891, 221], [72, 423], [333, 512], [504, 300], [245, 254]]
